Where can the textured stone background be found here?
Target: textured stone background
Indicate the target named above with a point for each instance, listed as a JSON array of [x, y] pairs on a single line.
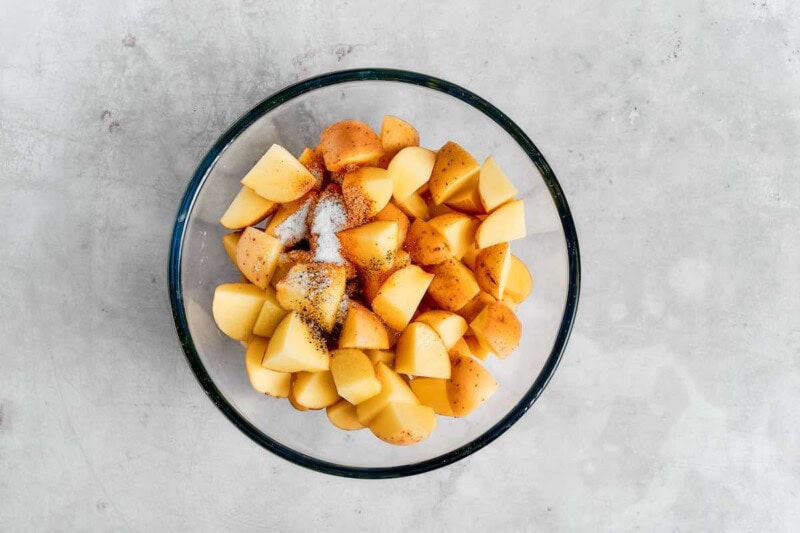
[[674, 127]]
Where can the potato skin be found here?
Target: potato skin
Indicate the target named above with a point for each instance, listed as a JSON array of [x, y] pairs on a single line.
[[349, 142], [453, 285], [425, 245], [497, 328], [469, 385]]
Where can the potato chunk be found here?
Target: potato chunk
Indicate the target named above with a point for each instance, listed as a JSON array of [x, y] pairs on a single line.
[[262, 379], [433, 393], [363, 329], [492, 269], [449, 326], [520, 281], [506, 223], [497, 328], [410, 169], [393, 389], [366, 192], [469, 386], [494, 186], [342, 414], [421, 352], [296, 347], [236, 307], [257, 256], [315, 390], [403, 424], [452, 171], [354, 375], [400, 295], [453, 285], [425, 245], [247, 209], [458, 231], [370, 246], [349, 142], [279, 176], [314, 290]]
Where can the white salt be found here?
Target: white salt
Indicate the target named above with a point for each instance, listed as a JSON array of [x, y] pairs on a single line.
[[330, 217], [341, 311], [293, 229]]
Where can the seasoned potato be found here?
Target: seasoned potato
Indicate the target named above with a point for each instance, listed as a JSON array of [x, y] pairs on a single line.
[[477, 349], [363, 329], [393, 389], [264, 380], [452, 171], [475, 305], [270, 316], [342, 414], [421, 352], [315, 390], [392, 213], [453, 286], [469, 386], [371, 246], [458, 231], [410, 169], [257, 256], [403, 424], [372, 280], [400, 294], [380, 356], [449, 326], [296, 347], [494, 187], [247, 209], [497, 328], [433, 393], [492, 269], [366, 192], [229, 242], [425, 245], [413, 206], [313, 161], [236, 307], [279, 176], [354, 375], [468, 198], [520, 281], [290, 223], [397, 134], [348, 143], [286, 261], [506, 223], [314, 290]]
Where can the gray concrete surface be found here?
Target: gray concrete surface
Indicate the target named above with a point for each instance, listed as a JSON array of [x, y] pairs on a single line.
[[675, 130]]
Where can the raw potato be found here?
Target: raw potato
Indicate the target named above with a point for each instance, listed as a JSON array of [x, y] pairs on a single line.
[[349, 142], [413, 206], [520, 281], [449, 326], [397, 134], [363, 329], [342, 414], [458, 231], [400, 294], [380, 356], [453, 170], [236, 307], [393, 389], [354, 375], [410, 169], [392, 213], [468, 198], [421, 352], [292, 399], [366, 192], [315, 164], [229, 242], [492, 269], [497, 328], [460, 348], [425, 245], [314, 290], [247, 209], [506, 223], [475, 306], [257, 256], [286, 261], [477, 349], [494, 186], [469, 386], [372, 280], [314, 390], [264, 380], [439, 210], [270, 316], [403, 424], [290, 223], [433, 393], [279, 176], [470, 255], [371, 246], [295, 347], [453, 286]]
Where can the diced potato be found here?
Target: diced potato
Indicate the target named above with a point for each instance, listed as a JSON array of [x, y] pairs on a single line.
[[342, 414], [314, 290], [506, 223], [403, 424], [452, 171], [477, 349], [468, 198], [279, 176], [400, 294], [290, 223], [371, 280], [458, 231], [313, 161], [366, 192], [229, 242], [492, 269], [247, 209], [413, 206], [425, 245], [497, 328], [397, 134], [296, 347], [381, 356], [371, 246], [393, 389], [453, 286], [354, 375], [469, 386], [475, 306], [520, 281], [363, 329], [315, 390], [460, 348], [392, 213], [494, 186], [449, 326], [292, 399], [236, 307], [286, 261], [349, 142], [421, 352], [439, 210], [257, 256], [470, 255], [270, 316], [433, 393], [262, 379], [410, 169]]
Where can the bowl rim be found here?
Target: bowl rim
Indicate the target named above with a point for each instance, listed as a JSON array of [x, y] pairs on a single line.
[[391, 75]]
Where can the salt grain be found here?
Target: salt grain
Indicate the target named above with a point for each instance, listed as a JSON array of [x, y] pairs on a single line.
[[330, 217], [293, 229]]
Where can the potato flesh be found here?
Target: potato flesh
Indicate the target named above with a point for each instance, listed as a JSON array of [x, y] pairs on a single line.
[[449, 326], [314, 290], [354, 375], [270, 315], [257, 256], [393, 213], [229, 242], [453, 170], [246, 209], [262, 379], [410, 169], [421, 352], [366, 192], [400, 295], [315, 390], [453, 285], [494, 186], [397, 134], [370, 246], [363, 329], [380, 356], [469, 386], [506, 223], [497, 328], [294, 347], [468, 198], [520, 281], [413, 206], [279, 176], [433, 393], [342, 414], [458, 231], [393, 390], [492, 269], [404, 424], [235, 309]]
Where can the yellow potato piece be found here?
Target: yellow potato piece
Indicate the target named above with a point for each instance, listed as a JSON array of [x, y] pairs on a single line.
[[453, 170], [292, 399], [520, 281], [410, 169], [229, 242], [469, 386], [460, 348], [397, 134], [458, 231], [290, 223], [449, 326], [349, 142], [363, 329], [342, 414], [270, 316], [421, 352], [400, 295], [296, 347], [257, 256], [497, 328], [279, 176], [371, 246], [247, 209], [354, 375], [403, 424], [314, 390], [371, 280], [380, 356], [315, 164], [475, 306], [425, 245], [494, 186], [453, 285], [262, 379], [286, 260], [476, 349], [467, 199], [433, 393], [393, 389], [492, 269], [236, 307], [314, 290], [506, 223], [392, 213], [413, 206], [366, 192]]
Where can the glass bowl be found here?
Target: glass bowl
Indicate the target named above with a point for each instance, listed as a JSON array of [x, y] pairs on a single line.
[[294, 118]]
